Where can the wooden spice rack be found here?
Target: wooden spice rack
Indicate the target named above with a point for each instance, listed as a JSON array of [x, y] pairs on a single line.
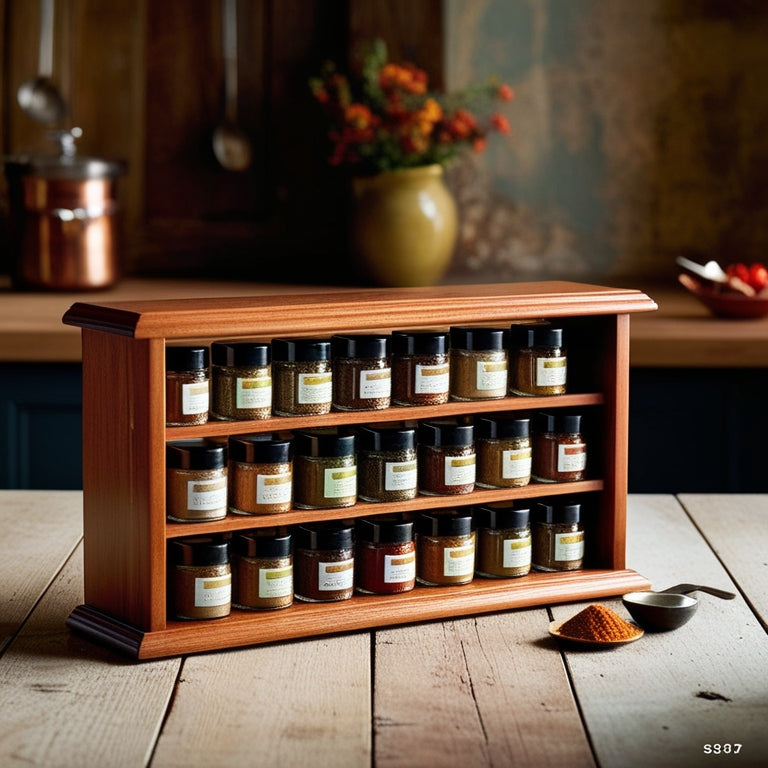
[[125, 527]]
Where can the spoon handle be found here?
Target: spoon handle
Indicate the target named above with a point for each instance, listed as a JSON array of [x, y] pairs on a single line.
[[45, 54], [684, 589]]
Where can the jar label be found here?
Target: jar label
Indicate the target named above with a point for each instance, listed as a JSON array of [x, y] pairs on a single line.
[[460, 470], [274, 489], [516, 553], [431, 379], [213, 590], [400, 475], [314, 388], [275, 582], [194, 398], [551, 371], [375, 384], [207, 495], [491, 375], [253, 393], [340, 482], [571, 457], [459, 561], [399, 568], [569, 546], [516, 463], [333, 577]]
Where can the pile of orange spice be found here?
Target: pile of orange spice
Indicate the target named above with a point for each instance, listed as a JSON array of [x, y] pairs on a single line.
[[599, 623]]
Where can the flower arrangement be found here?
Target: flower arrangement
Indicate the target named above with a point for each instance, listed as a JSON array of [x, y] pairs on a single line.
[[388, 119]]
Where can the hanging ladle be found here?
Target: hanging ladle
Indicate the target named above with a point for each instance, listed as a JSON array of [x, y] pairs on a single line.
[[39, 97], [230, 144]]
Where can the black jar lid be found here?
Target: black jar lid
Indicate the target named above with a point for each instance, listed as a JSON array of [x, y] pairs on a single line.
[[561, 423], [252, 544], [260, 449], [504, 429], [386, 439], [544, 336], [446, 434], [199, 550], [301, 350], [419, 342], [521, 336], [554, 514], [502, 516], [322, 444], [481, 339], [359, 346], [453, 524], [186, 358], [323, 536], [195, 454], [235, 353], [383, 530]]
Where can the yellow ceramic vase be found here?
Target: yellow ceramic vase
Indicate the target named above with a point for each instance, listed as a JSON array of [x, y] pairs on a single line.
[[404, 226]]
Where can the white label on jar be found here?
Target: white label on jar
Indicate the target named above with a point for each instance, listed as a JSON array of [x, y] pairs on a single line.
[[253, 393], [194, 398], [275, 582], [431, 379], [569, 546], [571, 457], [375, 384], [207, 495], [400, 475], [399, 568], [314, 388], [551, 371], [340, 483], [516, 553], [460, 470], [491, 375], [332, 577], [459, 561], [273, 489], [516, 463], [213, 590]]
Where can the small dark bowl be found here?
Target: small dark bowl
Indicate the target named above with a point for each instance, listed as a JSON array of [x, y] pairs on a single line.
[[660, 611]]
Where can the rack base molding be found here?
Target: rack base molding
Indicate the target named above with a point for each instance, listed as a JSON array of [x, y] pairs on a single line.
[[124, 436]]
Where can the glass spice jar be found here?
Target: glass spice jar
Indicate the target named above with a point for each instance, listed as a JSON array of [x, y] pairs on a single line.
[[503, 541], [260, 474], [503, 452], [324, 469], [201, 577], [445, 548], [420, 368], [559, 450], [446, 458], [263, 570], [540, 363], [362, 377], [187, 391], [241, 381], [323, 562], [385, 556], [386, 463], [478, 363], [558, 537], [302, 379], [195, 480]]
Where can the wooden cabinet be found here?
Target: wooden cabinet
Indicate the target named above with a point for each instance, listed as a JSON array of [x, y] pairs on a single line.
[[126, 531]]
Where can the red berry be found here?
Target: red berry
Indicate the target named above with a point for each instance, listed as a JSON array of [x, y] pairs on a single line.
[[758, 276]]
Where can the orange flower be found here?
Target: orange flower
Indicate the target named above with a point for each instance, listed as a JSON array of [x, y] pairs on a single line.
[[359, 116], [405, 77], [479, 145], [500, 123], [505, 93]]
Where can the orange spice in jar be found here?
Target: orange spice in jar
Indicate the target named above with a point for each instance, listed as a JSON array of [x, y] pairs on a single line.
[[187, 392], [445, 548], [195, 480], [479, 362], [559, 450], [260, 474], [504, 452]]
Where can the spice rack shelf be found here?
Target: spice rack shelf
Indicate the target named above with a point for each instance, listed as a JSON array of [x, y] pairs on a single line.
[[125, 529]]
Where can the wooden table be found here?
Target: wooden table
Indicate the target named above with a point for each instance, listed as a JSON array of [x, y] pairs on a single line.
[[495, 690]]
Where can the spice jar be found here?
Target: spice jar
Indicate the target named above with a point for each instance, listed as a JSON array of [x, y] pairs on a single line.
[[446, 463], [558, 537], [540, 364], [263, 570], [559, 451], [260, 474], [323, 562], [420, 368], [386, 464], [301, 376], [186, 386], [241, 380], [195, 480], [362, 377], [385, 556], [503, 541], [478, 363], [503, 452], [325, 472], [445, 548], [201, 577]]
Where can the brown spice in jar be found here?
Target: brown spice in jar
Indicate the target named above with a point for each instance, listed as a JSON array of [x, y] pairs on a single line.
[[187, 392], [201, 578], [263, 571], [420, 368], [260, 475], [599, 623], [241, 380], [479, 363], [558, 537], [362, 376], [196, 481], [301, 377], [323, 563], [446, 458], [445, 549], [386, 464], [559, 450]]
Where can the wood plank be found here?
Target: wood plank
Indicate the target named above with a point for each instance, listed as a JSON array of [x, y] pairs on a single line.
[[282, 705], [488, 691]]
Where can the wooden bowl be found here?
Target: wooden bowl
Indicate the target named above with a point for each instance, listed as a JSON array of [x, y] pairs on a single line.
[[722, 301]]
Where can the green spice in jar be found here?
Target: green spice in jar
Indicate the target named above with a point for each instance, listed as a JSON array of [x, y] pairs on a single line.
[[447, 460], [420, 368], [503, 452], [386, 463], [324, 562], [478, 363], [187, 392], [558, 537], [362, 376], [263, 570], [540, 364], [302, 379], [445, 548], [201, 577], [324, 469], [260, 474], [503, 541], [195, 480], [241, 380]]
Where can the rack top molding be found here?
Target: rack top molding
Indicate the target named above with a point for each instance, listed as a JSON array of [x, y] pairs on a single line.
[[316, 313]]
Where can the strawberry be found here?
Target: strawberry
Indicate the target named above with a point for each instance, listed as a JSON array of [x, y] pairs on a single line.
[[758, 276]]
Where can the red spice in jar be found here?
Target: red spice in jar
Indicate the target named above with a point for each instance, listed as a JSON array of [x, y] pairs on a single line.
[[559, 450], [385, 556], [446, 458]]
